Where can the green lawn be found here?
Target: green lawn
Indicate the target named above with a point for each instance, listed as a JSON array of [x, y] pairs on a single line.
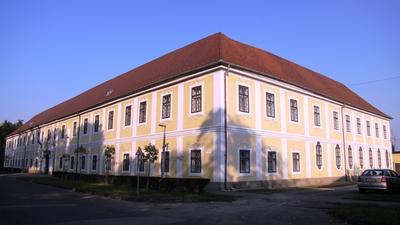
[[125, 192], [275, 190], [367, 214]]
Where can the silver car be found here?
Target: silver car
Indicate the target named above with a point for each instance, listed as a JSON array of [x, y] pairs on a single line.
[[379, 179]]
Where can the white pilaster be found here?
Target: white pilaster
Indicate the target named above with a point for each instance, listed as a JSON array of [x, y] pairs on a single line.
[[258, 104], [327, 122], [329, 154], [153, 112], [258, 158], [179, 149], [134, 116], [283, 110], [284, 159], [308, 159], [180, 107], [306, 117]]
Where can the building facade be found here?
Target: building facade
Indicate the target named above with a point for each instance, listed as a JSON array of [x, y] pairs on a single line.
[[234, 114]]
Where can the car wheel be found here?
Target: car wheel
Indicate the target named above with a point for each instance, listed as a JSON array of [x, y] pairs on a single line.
[[361, 190]]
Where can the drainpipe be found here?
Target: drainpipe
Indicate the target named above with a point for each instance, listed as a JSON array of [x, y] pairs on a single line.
[[77, 144], [344, 144], [226, 131]]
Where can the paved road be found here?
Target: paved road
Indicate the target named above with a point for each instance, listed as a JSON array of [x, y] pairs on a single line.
[[28, 203]]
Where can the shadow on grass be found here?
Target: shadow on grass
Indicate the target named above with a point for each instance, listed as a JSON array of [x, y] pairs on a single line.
[[379, 196], [366, 214], [128, 193]]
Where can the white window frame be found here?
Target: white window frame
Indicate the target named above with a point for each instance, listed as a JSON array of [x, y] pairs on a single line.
[[290, 111], [94, 120], [333, 121], [202, 162], [129, 162], [292, 164], [275, 105], [345, 118], [267, 150], [201, 84], [171, 107], [146, 114], [83, 126], [320, 116], [322, 157], [125, 106], [108, 120], [91, 162], [240, 83], [238, 162], [359, 131]]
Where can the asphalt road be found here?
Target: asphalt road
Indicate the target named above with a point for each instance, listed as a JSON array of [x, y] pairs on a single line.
[[28, 203]]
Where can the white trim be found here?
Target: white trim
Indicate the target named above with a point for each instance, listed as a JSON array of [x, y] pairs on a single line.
[[267, 150], [108, 120], [196, 84], [329, 158], [94, 121], [259, 171], [153, 112], [270, 91], [179, 158], [315, 156], [306, 116], [238, 84], [257, 105], [308, 159], [284, 159], [180, 108], [291, 156], [138, 114], [327, 121], [283, 110], [134, 119], [161, 106], [320, 116], [201, 148], [124, 116], [290, 110], [239, 174]]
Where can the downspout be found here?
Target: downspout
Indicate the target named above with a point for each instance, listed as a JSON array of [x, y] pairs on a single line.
[[226, 131], [344, 144], [77, 144]]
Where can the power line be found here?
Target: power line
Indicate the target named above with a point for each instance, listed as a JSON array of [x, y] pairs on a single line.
[[363, 83]]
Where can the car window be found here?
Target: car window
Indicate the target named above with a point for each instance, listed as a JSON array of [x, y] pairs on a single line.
[[394, 174], [388, 173], [373, 173]]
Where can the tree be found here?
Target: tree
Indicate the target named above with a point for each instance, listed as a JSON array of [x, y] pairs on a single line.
[[6, 128], [150, 155]]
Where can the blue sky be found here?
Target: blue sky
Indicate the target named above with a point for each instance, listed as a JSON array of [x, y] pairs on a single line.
[[53, 50]]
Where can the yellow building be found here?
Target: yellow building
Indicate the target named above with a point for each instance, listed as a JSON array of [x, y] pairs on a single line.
[[396, 161], [233, 113]]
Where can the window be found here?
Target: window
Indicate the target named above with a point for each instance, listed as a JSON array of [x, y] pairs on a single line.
[[166, 107], [368, 128], [294, 114], [83, 162], [350, 152], [371, 158], [48, 135], [62, 132], [244, 99], [54, 134], [141, 165], [272, 164], [244, 161], [94, 162], [384, 132], [387, 159], [318, 155], [376, 130], [96, 123], [195, 161], [72, 162], [108, 163], [270, 102], [348, 124], [125, 163], [110, 120], [196, 100], [60, 164], [336, 120], [85, 126], [165, 157], [379, 159], [317, 116], [142, 112], [358, 126], [128, 115], [337, 156], [74, 130], [361, 157], [296, 161]]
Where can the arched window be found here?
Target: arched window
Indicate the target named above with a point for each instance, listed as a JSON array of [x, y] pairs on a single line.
[[361, 157], [318, 155], [379, 159], [387, 159], [371, 159], [350, 152], [337, 155]]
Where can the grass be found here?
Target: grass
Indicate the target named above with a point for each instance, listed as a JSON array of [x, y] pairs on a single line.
[[367, 214], [126, 192], [288, 189]]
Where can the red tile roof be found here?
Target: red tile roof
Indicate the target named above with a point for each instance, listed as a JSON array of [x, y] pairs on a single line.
[[207, 52]]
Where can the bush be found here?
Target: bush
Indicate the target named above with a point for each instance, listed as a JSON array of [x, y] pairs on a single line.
[[155, 183]]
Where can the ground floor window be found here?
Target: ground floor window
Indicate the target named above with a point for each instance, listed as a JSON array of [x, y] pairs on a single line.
[[360, 152], [141, 165], [165, 157], [108, 163], [387, 159], [350, 152], [61, 163], [72, 162], [371, 158], [379, 159], [296, 161], [94, 162], [83, 162], [244, 161], [337, 156], [195, 161], [318, 155], [272, 162], [125, 163]]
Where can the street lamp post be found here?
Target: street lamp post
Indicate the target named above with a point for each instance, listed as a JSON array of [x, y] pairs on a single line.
[[139, 157], [163, 151]]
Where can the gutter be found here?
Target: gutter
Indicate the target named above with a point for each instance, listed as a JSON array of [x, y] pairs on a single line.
[[344, 143], [226, 131]]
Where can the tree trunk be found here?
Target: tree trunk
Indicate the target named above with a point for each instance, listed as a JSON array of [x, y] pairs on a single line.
[[148, 177]]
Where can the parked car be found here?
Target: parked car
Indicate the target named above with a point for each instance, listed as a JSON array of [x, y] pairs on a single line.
[[379, 179]]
